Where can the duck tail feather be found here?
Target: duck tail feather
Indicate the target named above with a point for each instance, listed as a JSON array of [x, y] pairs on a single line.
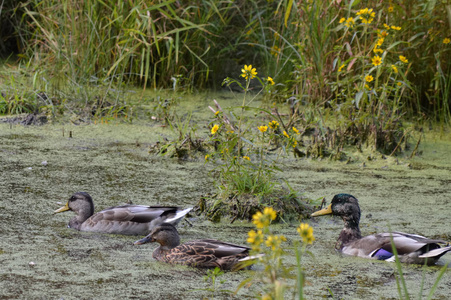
[[178, 216], [437, 253]]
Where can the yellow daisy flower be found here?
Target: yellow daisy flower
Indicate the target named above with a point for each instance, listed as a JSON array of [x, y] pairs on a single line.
[[246, 158], [376, 60], [369, 78], [248, 72], [262, 128], [285, 134], [403, 59], [255, 237], [273, 124], [270, 80], [295, 130], [377, 50], [395, 69], [262, 220], [306, 233], [270, 212], [446, 41], [214, 129], [366, 15], [350, 22]]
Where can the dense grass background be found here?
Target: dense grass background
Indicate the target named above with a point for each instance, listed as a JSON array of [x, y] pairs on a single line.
[[196, 44]]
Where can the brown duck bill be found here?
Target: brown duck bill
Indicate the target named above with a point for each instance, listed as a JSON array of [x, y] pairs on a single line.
[[64, 208], [145, 240], [322, 212]]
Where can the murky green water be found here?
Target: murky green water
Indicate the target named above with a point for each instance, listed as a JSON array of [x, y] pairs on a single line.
[[112, 163]]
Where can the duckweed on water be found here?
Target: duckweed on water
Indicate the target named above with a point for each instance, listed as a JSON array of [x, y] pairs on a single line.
[[97, 159]]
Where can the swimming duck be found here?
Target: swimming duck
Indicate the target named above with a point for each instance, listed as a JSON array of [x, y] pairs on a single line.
[[126, 219], [411, 248], [199, 253]]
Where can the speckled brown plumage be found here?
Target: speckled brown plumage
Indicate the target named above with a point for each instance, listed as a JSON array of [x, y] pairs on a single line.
[[411, 248], [206, 253], [125, 219]]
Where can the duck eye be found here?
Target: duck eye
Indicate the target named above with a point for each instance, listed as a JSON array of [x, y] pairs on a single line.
[[72, 198]]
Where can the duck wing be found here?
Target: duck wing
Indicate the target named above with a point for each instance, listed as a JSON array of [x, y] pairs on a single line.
[[207, 253], [140, 213], [380, 245], [407, 243], [132, 219], [218, 248]]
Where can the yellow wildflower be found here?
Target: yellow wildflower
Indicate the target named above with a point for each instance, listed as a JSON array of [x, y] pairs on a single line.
[[262, 128], [246, 158], [377, 50], [207, 156], [295, 130], [376, 60], [399, 83], [255, 237], [275, 50], [274, 241], [403, 59], [380, 41], [396, 27], [386, 26], [367, 86], [369, 78], [366, 15], [248, 72], [270, 80], [350, 22], [342, 20], [273, 124], [306, 233], [293, 142], [341, 67], [214, 129], [390, 9], [446, 41], [270, 212], [382, 33], [395, 69], [262, 220], [285, 134], [217, 113]]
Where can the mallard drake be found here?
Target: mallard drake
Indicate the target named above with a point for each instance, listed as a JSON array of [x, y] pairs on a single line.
[[199, 253], [411, 248], [124, 219]]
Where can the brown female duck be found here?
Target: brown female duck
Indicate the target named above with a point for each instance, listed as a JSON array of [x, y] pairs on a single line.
[[199, 253], [411, 248], [125, 219]]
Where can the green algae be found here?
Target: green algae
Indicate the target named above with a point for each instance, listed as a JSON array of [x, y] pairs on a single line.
[[112, 162]]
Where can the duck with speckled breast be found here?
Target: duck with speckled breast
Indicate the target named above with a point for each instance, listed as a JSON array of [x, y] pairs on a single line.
[[411, 248]]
